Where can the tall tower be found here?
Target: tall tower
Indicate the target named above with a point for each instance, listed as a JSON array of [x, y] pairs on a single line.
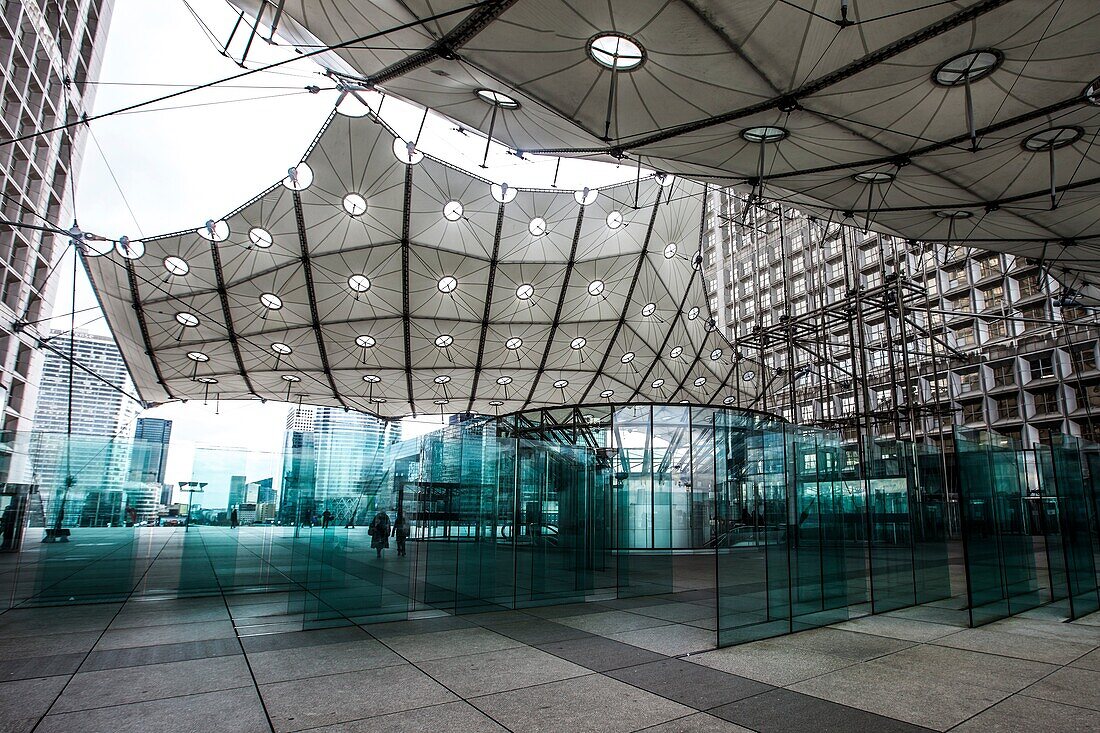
[[49, 51]]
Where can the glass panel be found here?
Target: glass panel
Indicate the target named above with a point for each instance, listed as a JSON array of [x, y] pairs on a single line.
[[1077, 522]]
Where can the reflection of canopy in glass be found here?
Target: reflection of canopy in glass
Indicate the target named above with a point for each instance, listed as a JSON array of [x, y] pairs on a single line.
[[369, 289], [894, 111]]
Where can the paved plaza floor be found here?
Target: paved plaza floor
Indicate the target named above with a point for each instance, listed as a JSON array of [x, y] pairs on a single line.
[[229, 663]]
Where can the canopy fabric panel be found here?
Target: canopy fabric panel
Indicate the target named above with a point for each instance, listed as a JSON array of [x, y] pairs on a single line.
[[367, 282], [967, 122]]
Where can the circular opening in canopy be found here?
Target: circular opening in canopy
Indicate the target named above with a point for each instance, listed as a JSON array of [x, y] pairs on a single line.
[[197, 356], [215, 231], [595, 287], [748, 376], [405, 151], [627, 357], [1092, 93], [504, 380], [130, 250], [187, 319], [649, 309], [1052, 138], [537, 227], [578, 343], [292, 378], [281, 349], [440, 402], [95, 246], [874, 178], [525, 291], [359, 283], [676, 351], [176, 265], [616, 51], [366, 342], [299, 177], [497, 99], [764, 134], [260, 237], [716, 354], [207, 380], [657, 383], [968, 66], [442, 379], [444, 340], [355, 204], [271, 301], [670, 250], [372, 379], [700, 381], [561, 384], [447, 284], [452, 211], [729, 400], [513, 343], [693, 313], [495, 403], [954, 214], [607, 393], [586, 196], [502, 193], [614, 220]]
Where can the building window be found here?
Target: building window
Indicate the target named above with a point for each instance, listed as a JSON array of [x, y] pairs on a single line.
[[1046, 402], [1008, 408], [994, 297], [798, 285], [1084, 359], [972, 412], [970, 382], [1003, 375], [964, 336], [806, 413], [1042, 367], [997, 329], [989, 266]]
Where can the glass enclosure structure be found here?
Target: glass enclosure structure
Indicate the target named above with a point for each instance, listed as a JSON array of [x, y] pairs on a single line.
[[784, 527]]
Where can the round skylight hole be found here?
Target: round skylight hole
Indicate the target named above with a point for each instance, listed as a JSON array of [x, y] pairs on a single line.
[[537, 227], [729, 400], [670, 250], [561, 384], [693, 313], [748, 376], [503, 193], [595, 287], [525, 291], [578, 343], [715, 354], [452, 211], [355, 204], [1052, 138], [176, 266], [616, 51], [495, 403], [440, 402], [874, 178], [271, 301], [657, 383], [372, 378], [1092, 93], [299, 177], [359, 283], [197, 356], [366, 342], [607, 393], [405, 151], [442, 379], [129, 249], [447, 284], [586, 196], [614, 220], [292, 378], [664, 179], [503, 381], [627, 357], [700, 381], [207, 380], [513, 343], [954, 214], [444, 340], [187, 320], [967, 66], [497, 99], [281, 349], [215, 231], [649, 309], [764, 134], [676, 351], [260, 237]]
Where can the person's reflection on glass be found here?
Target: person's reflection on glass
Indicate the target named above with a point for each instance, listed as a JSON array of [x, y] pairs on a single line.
[[401, 532], [379, 531], [7, 527]]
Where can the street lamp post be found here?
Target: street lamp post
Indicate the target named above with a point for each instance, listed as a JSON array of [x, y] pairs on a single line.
[[191, 488]]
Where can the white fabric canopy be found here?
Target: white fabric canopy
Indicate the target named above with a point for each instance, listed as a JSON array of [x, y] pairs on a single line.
[[938, 101], [403, 289]]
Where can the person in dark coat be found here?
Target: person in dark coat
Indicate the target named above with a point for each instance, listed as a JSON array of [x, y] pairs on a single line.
[[233, 519], [401, 532], [379, 531], [326, 519]]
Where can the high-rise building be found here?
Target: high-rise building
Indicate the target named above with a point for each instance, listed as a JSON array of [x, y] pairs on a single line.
[[151, 438], [865, 331], [238, 491], [81, 440], [265, 491], [329, 457], [49, 52]]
